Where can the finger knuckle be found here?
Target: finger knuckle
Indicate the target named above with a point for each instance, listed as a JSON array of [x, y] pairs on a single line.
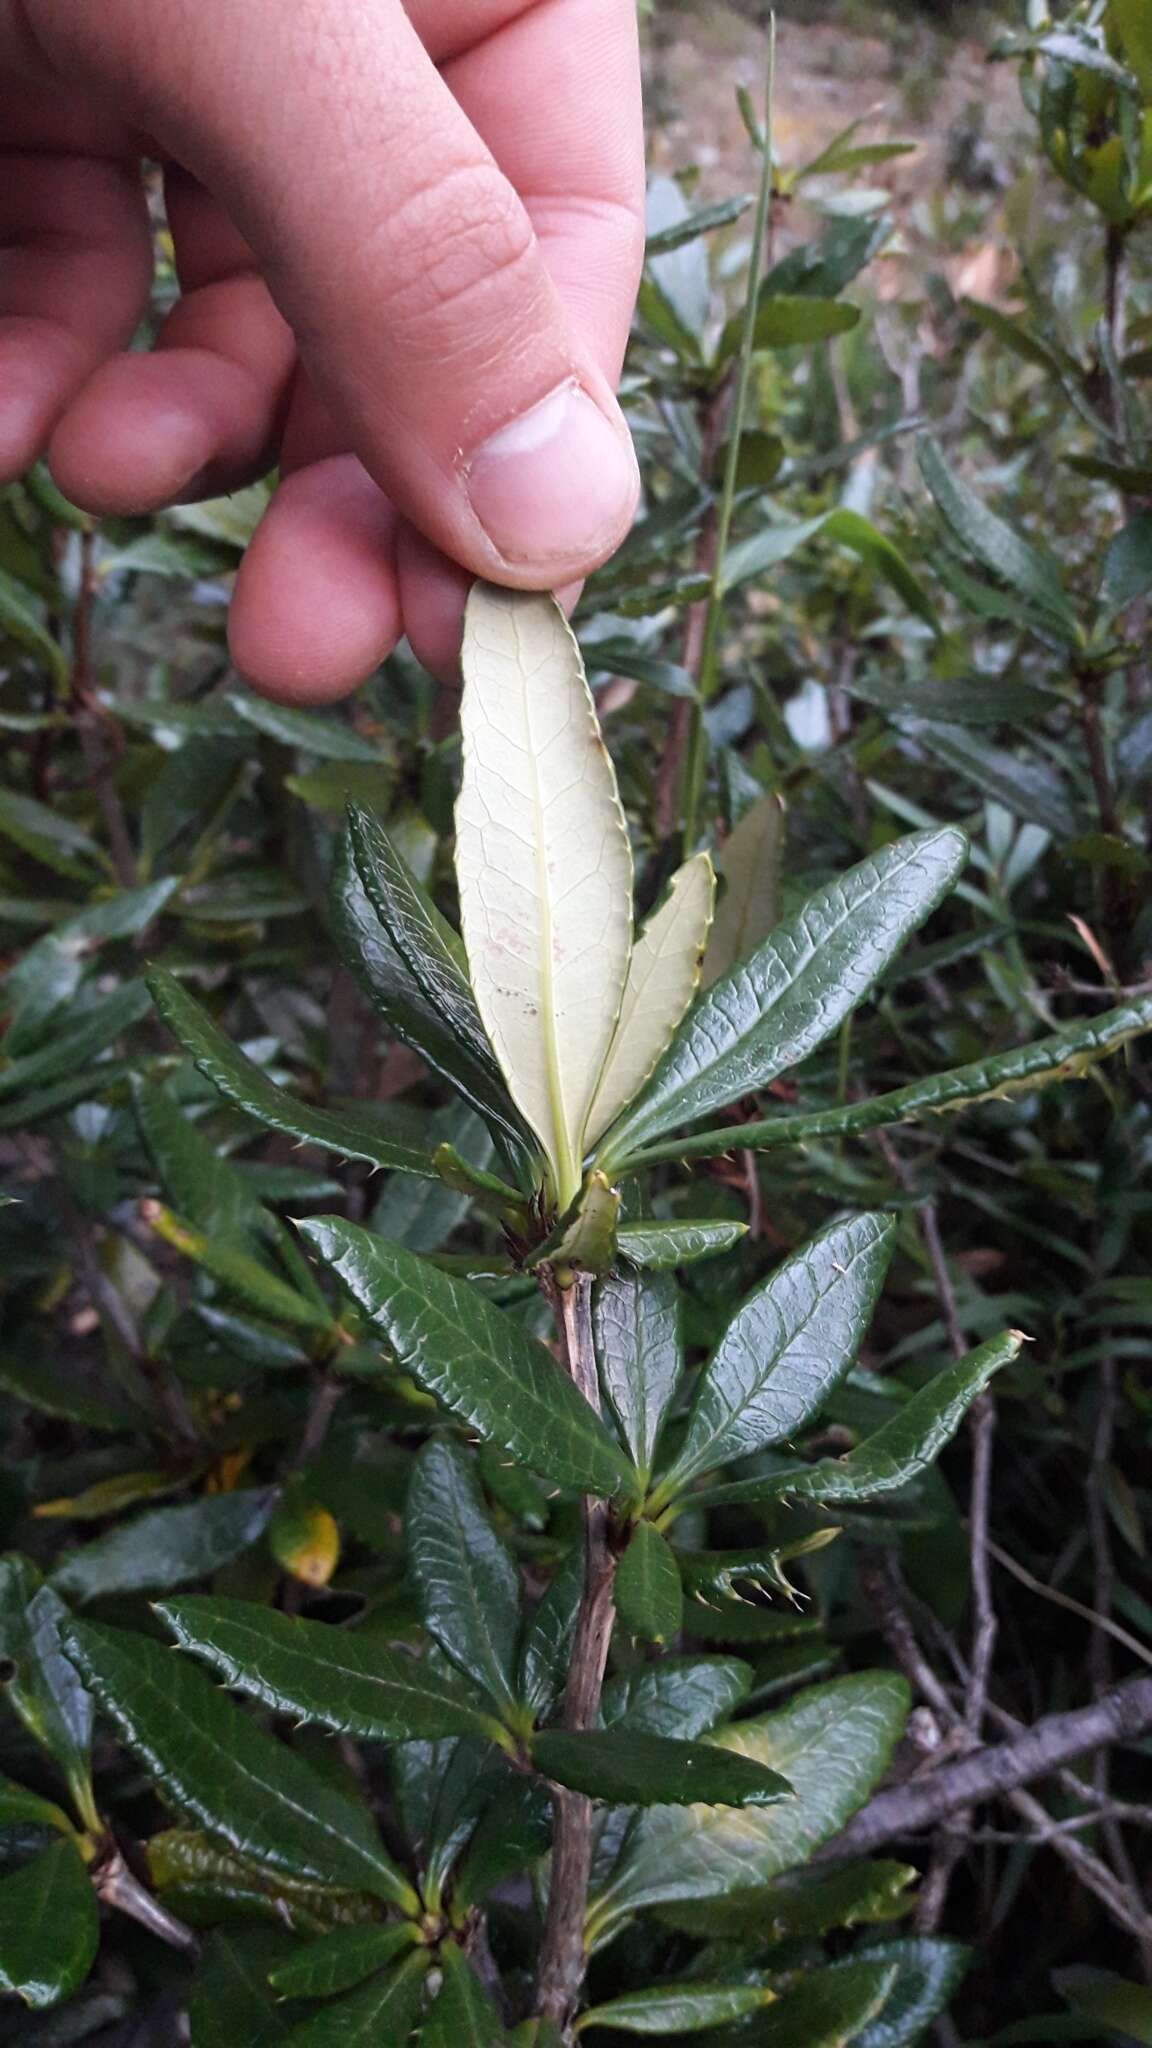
[[453, 243]]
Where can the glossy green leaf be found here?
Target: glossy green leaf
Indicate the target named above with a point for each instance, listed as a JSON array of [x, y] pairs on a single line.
[[548, 1638], [776, 1007], [680, 1696], [658, 1247], [167, 1547], [240, 1275], [901, 1449], [783, 322], [384, 2011], [625, 1768], [786, 1349], [49, 1927], [229, 2003], [1026, 785], [329, 1675], [466, 1577], [749, 905], [1109, 2001], [463, 2015], [339, 1960], [20, 1808], [829, 2008], [803, 1903], [928, 1974], [212, 1762], [20, 620], [1063, 1056], [663, 970], [543, 865], [76, 1046], [649, 1596], [676, 2009], [636, 1323], [832, 1743], [586, 1236], [40, 1683], [309, 732], [474, 1358], [198, 1180], [996, 545], [1127, 566], [241, 1081]]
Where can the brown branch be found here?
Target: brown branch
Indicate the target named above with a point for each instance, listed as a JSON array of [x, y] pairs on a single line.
[[562, 1957], [992, 1772]]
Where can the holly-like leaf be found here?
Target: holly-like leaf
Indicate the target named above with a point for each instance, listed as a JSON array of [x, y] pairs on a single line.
[[328, 1675], [168, 1547], [895, 1454], [637, 1336], [624, 1768], [681, 1696], [385, 2010], [40, 1682], [803, 1903], [786, 1349], [213, 1762], [49, 1927], [666, 2010], [241, 1081], [543, 865], [657, 1247], [832, 1743], [663, 971], [649, 1596], [928, 1974], [474, 1358], [829, 2008], [775, 1008], [465, 1574]]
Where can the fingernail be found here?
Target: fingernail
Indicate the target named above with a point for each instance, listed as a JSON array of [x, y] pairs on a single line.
[[558, 484]]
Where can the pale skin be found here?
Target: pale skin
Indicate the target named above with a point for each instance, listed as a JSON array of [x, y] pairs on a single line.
[[408, 240]]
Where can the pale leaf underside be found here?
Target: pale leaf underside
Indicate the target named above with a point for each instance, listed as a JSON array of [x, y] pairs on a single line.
[[662, 977]]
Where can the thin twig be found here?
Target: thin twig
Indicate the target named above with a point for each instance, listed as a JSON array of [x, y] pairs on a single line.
[[1099, 1621]]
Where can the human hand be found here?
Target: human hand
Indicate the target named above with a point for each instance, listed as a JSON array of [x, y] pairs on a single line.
[[408, 240]]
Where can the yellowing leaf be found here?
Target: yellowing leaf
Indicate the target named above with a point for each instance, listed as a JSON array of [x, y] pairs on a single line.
[[543, 865], [305, 1540], [662, 977], [749, 861]]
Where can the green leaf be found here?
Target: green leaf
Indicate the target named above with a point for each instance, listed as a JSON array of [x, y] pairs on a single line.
[[829, 2008], [386, 2010], [802, 1903], [1109, 2001], [680, 1696], [900, 1449], [467, 1580], [663, 971], [1029, 787], [330, 739], [928, 1974], [474, 1358], [548, 1638], [20, 1808], [703, 222], [339, 1960], [48, 835], [107, 1019], [1132, 24], [229, 2004], [786, 1349], [1064, 1056], [463, 2015], [649, 1596], [657, 1247], [676, 2009], [1127, 566], [215, 1764], [636, 1324], [240, 1080], [625, 1768], [749, 864], [543, 865], [823, 268], [20, 620], [200, 1182], [775, 1008], [41, 1685], [774, 544], [49, 1927], [832, 1743], [167, 1547], [996, 545], [586, 1236], [240, 1275], [320, 1673], [783, 322]]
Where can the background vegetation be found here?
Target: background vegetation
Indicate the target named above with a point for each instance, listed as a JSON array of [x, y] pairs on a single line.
[[920, 599]]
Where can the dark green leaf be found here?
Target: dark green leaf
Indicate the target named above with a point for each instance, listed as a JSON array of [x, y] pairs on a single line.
[[964, 700], [676, 2009], [41, 1684], [382, 2012], [770, 1012], [1109, 2001], [1127, 566], [49, 1927], [928, 1974], [167, 1547], [783, 322], [832, 1743], [823, 268], [330, 739], [240, 1080], [1029, 787], [681, 1696], [230, 2005], [463, 2015], [625, 1768], [548, 1638], [803, 1903], [703, 222], [107, 1019], [829, 2008], [467, 1580], [649, 1596], [203, 1185], [215, 1764], [329, 1675], [20, 620], [657, 1247], [479, 1362], [339, 1960], [1063, 1056], [786, 1349], [638, 1350], [995, 545]]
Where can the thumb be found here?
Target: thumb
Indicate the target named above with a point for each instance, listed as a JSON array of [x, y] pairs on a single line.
[[401, 256]]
